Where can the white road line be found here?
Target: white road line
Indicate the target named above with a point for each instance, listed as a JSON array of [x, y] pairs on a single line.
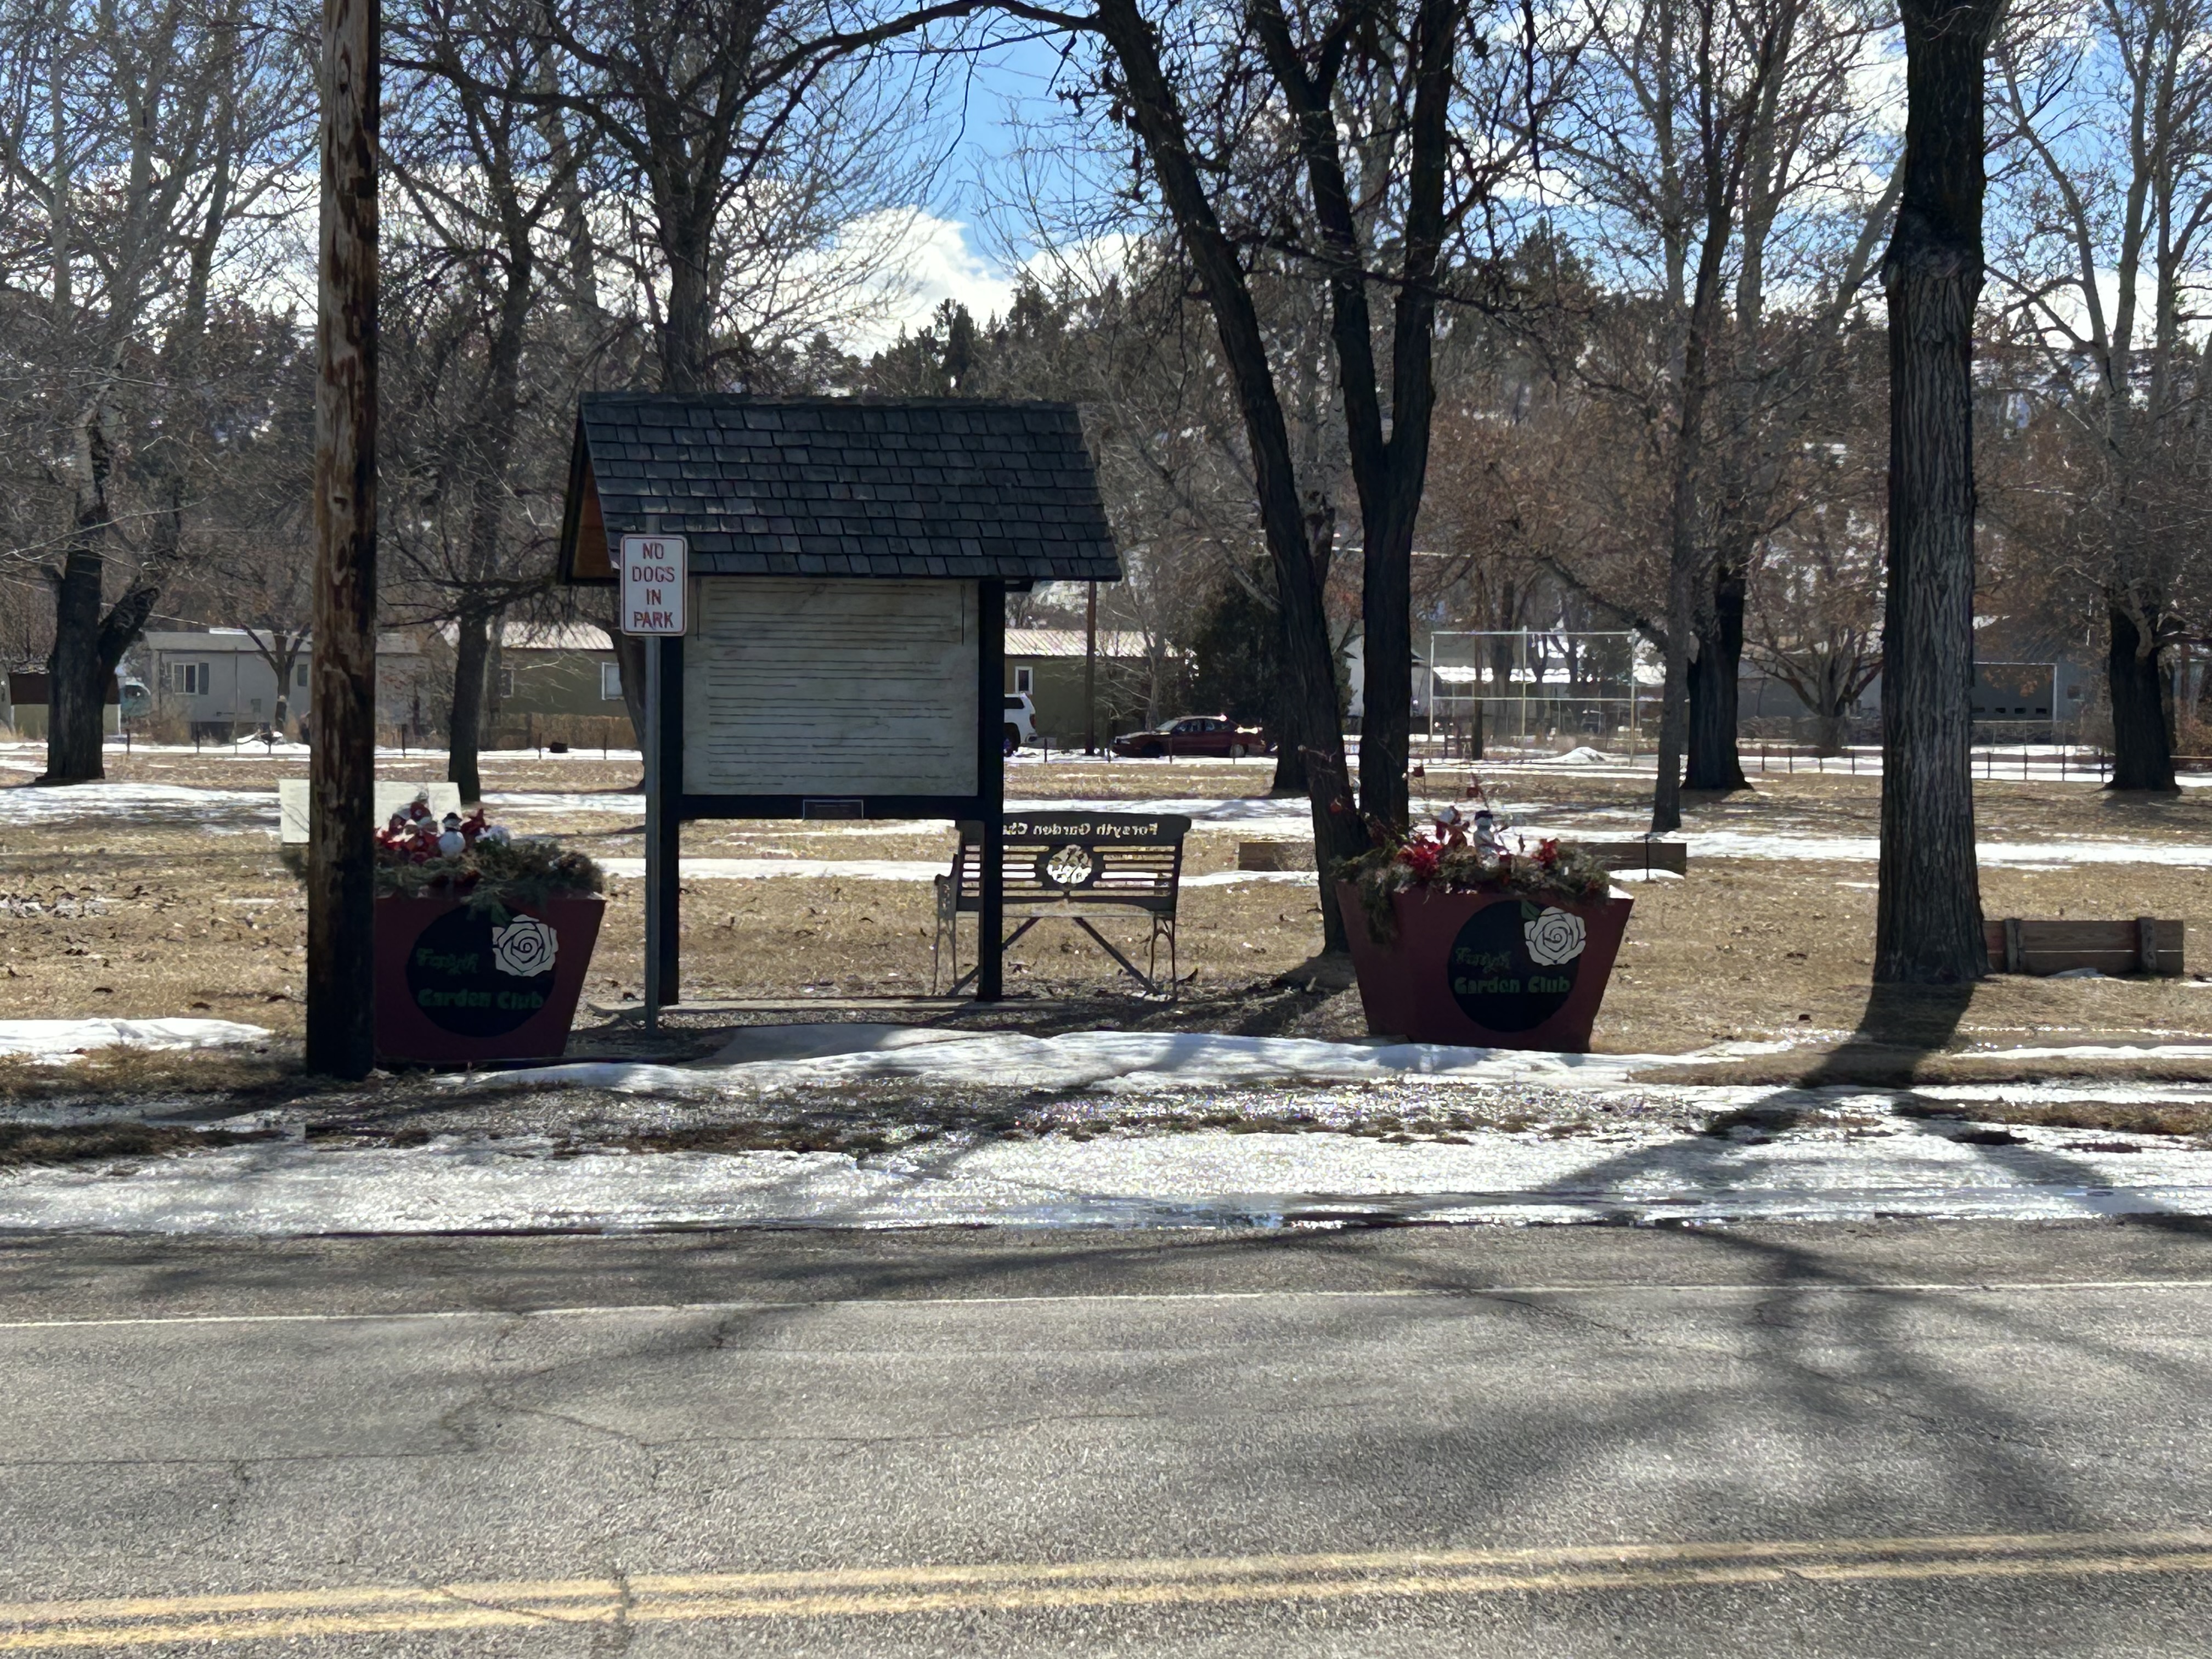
[[1464, 1293]]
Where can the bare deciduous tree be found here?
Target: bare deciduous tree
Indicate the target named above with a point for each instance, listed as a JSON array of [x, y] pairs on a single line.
[[142, 140], [2106, 114]]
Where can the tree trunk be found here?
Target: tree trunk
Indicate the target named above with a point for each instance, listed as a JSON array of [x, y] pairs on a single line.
[[74, 688], [1387, 721], [1389, 472], [494, 704], [342, 770], [1309, 675], [465, 729], [1928, 924], [1290, 777], [1667, 790], [493, 448], [1714, 764], [685, 343], [2143, 738], [1828, 734], [1685, 549]]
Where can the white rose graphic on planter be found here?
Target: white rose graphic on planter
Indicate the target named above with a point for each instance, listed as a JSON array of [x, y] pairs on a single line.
[[525, 947], [1554, 937]]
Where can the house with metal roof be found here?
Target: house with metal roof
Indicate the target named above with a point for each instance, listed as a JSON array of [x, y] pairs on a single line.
[[1047, 665]]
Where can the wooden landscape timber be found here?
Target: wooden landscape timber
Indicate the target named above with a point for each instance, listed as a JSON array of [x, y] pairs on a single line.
[[1279, 854], [2143, 946]]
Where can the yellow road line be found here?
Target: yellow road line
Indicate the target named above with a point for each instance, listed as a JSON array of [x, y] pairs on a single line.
[[836, 1593]]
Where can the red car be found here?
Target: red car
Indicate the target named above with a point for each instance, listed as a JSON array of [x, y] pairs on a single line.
[[1215, 736]]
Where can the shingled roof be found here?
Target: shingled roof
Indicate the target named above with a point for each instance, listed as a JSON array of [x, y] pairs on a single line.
[[837, 487]]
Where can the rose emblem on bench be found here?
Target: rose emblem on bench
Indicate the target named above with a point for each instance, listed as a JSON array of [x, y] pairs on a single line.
[[525, 947], [1554, 937]]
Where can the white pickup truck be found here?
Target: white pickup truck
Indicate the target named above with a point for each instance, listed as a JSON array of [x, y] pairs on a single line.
[[1021, 721]]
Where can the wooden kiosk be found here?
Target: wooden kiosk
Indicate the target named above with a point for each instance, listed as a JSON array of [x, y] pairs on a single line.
[[842, 645]]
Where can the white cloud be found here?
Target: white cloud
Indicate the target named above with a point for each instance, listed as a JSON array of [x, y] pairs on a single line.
[[929, 260], [933, 264]]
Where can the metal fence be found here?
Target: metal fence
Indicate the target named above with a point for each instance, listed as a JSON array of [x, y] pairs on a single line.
[[1527, 685]]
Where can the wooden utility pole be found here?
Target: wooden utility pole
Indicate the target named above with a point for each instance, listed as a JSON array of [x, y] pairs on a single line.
[[341, 866], [1927, 915], [1090, 670]]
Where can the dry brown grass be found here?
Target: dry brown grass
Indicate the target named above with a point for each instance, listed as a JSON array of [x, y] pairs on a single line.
[[2181, 1119], [192, 921], [1878, 1066], [125, 1072], [2150, 1117], [21, 1144]]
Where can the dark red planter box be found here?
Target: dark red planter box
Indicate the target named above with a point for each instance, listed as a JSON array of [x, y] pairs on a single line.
[[453, 986], [1488, 969]]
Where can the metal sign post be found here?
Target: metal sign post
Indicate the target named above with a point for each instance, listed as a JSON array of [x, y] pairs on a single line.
[[653, 595], [991, 789]]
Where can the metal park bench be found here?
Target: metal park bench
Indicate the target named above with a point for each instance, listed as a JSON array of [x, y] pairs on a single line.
[[1074, 866]]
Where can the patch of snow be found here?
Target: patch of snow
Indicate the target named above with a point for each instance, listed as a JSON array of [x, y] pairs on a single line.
[[1584, 756], [819, 1038], [1208, 1178], [1867, 849], [762, 869], [1241, 812], [591, 752], [550, 800], [232, 810], [64, 1039], [2095, 1051], [249, 750], [1115, 1062]]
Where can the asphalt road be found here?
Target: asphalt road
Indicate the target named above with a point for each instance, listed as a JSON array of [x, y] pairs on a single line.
[[1972, 1439]]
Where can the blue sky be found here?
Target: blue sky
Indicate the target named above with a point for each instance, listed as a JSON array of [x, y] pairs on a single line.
[[970, 241]]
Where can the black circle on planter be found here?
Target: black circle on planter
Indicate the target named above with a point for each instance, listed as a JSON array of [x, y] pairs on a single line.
[[453, 976], [1492, 977]]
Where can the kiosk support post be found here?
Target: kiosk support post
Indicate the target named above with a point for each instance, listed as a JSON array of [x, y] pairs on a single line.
[[991, 788], [663, 746]]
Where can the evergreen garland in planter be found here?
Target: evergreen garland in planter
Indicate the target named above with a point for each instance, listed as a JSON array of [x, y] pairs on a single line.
[[1448, 861], [418, 856]]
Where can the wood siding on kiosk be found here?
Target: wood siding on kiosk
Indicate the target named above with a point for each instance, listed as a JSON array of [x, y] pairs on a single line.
[[830, 687]]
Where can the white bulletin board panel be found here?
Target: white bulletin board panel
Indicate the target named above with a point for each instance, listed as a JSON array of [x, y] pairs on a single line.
[[846, 687]]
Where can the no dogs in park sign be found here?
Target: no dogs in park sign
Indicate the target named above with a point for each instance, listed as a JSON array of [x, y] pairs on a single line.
[[653, 584]]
